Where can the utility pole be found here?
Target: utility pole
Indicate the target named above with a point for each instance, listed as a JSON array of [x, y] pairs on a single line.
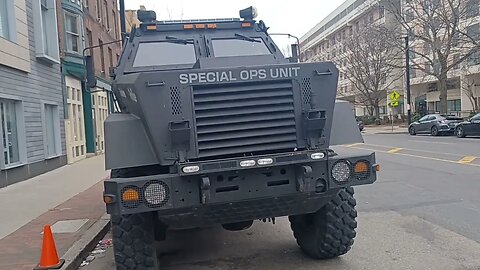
[[407, 75], [123, 27]]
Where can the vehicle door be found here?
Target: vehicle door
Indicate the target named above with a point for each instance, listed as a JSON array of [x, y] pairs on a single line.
[[420, 127], [473, 127]]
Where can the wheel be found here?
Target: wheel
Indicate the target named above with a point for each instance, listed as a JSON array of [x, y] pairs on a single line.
[[330, 231], [460, 132], [434, 131], [133, 241], [412, 131], [133, 236]]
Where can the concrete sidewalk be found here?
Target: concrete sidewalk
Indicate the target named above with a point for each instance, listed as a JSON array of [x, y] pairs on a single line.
[[373, 129], [24, 201], [71, 196]]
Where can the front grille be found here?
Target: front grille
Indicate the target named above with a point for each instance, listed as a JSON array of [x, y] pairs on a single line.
[[244, 118]]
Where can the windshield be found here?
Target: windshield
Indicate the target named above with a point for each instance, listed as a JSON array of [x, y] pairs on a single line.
[[164, 53], [239, 47]]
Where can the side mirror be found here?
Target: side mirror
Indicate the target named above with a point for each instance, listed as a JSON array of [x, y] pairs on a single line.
[[294, 58], [111, 72], [91, 80]]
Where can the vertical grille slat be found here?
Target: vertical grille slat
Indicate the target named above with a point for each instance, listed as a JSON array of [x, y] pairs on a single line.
[[244, 118]]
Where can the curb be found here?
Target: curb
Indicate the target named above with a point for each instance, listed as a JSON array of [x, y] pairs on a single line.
[[76, 253], [389, 132]]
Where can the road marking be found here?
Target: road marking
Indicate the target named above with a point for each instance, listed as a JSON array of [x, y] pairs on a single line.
[[420, 141], [430, 158], [394, 150], [352, 145], [467, 159]]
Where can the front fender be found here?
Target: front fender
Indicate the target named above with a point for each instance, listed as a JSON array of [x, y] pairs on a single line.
[[126, 142]]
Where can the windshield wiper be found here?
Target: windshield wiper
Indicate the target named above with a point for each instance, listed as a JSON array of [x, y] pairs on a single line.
[[246, 38], [179, 40]]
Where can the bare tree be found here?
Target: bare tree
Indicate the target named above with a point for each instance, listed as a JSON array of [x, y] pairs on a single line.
[[469, 86], [445, 39], [370, 65]]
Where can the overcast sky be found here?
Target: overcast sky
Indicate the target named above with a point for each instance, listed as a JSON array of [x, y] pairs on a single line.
[[295, 16]]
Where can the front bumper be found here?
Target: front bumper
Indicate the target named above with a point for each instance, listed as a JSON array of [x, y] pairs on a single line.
[[240, 194]]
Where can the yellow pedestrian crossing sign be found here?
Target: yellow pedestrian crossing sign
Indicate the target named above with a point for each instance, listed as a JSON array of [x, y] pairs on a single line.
[[394, 96]]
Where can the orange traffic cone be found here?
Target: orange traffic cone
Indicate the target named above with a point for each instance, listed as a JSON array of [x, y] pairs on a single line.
[[49, 258]]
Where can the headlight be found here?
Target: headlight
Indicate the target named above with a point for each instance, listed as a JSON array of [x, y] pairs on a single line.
[[247, 163], [265, 161], [156, 193], [341, 171], [317, 155], [191, 169]]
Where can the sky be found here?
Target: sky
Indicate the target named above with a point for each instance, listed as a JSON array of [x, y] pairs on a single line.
[[295, 17]]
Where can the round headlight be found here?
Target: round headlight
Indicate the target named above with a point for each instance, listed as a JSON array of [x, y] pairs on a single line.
[[341, 171], [155, 193]]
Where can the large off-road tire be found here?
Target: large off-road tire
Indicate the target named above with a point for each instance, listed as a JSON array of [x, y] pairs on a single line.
[[133, 235], [329, 232], [133, 242]]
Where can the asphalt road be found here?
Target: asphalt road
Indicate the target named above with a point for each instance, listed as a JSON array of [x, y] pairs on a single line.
[[422, 213]]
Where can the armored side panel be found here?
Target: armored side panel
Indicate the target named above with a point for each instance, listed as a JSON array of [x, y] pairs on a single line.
[[344, 126]]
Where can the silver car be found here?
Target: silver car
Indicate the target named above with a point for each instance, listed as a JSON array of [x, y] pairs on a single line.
[[435, 124]]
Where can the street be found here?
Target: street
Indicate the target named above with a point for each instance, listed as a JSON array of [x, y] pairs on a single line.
[[422, 213]]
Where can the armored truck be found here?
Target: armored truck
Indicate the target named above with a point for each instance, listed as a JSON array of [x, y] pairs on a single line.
[[215, 126]]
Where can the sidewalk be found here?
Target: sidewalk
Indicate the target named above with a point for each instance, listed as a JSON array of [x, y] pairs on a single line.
[[374, 129], [72, 193]]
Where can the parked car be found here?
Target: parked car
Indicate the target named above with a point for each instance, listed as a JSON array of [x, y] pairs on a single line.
[[360, 125], [469, 127], [435, 124]]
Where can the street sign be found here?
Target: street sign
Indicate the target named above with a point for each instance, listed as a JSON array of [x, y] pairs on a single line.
[[394, 96], [394, 103]]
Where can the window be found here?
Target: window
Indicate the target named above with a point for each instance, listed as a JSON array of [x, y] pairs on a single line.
[[454, 105], [473, 31], [107, 21], [89, 38], [8, 114], [4, 20], [472, 8], [72, 32], [239, 47], [115, 24], [474, 59], [99, 10], [46, 35], [110, 56], [381, 11], [52, 131], [173, 54], [102, 55], [409, 15]]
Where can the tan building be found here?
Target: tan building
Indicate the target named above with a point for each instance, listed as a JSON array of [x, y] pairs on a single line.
[[321, 43], [324, 43], [131, 19], [463, 94]]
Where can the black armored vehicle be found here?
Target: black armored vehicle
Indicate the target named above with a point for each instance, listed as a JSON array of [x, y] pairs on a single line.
[[216, 127]]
